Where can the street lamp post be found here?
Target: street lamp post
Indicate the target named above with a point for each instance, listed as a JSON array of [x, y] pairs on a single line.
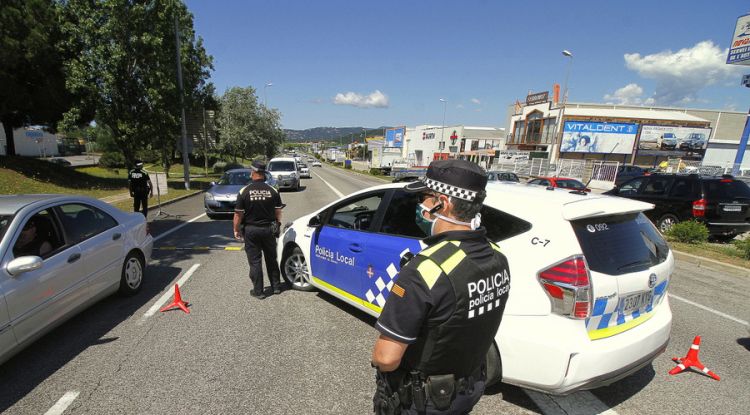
[[265, 94], [555, 147], [442, 130]]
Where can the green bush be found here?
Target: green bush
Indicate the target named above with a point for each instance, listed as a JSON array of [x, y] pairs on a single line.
[[218, 167], [376, 172], [348, 166], [743, 246], [689, 232], [112, 160], [231, 166]]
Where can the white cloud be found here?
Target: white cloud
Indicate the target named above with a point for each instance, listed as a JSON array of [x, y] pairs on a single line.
[[476, 101], [460, 106], [629, 94], [681, 75], [374, 100]]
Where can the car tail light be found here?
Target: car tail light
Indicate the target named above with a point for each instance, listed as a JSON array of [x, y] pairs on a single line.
[[699, 208], [568, 285], [148, 229]]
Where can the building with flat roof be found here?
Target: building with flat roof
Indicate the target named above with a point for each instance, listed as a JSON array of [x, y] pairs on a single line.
[[425, 143]]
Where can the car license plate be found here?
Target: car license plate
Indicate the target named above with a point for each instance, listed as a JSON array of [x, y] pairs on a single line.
[[635, 301], [732, 208]]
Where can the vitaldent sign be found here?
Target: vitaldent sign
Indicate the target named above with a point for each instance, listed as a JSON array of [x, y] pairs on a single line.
[[739, 51]]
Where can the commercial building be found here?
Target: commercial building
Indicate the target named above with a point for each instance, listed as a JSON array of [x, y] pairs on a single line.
[[425, 143], [30, 141], [639, 135]]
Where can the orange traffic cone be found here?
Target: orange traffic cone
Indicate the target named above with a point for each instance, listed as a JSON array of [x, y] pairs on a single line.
[[177, 302], [691, 360]]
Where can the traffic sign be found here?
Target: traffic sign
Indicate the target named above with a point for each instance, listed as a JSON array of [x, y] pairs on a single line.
[[739, 50]]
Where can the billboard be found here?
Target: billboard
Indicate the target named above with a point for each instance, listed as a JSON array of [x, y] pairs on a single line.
[[598, 137], [394, 137], [739, 51], [669, 141]]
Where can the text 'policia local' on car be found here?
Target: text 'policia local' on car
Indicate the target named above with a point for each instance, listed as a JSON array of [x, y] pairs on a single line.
[[589, 276], [59, 255]]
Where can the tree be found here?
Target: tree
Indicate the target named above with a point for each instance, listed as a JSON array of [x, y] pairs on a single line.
[[247, 128], [32, 81], [128, 71]]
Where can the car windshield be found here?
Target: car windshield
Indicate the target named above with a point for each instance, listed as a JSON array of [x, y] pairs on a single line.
[[726, 189], [236, 178], [281, 166], [4, 223]]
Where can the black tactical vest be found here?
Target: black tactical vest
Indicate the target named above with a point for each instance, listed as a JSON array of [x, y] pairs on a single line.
[[460, 344]]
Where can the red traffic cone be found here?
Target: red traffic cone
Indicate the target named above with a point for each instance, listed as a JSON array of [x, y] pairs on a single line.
[[177, 302], [691, 360]]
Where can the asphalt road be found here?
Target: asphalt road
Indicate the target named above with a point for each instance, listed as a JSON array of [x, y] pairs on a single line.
[[307, 353]]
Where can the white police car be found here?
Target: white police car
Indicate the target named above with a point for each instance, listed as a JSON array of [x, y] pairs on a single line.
[[589, 275]]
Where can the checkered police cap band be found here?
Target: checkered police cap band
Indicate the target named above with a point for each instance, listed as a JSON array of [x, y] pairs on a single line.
[[450, 190]]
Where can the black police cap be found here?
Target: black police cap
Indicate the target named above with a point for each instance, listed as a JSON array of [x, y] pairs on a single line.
[[258, 165], [458, 178]]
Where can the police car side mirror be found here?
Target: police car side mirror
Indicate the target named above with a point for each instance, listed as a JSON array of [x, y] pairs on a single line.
[[315, 222]]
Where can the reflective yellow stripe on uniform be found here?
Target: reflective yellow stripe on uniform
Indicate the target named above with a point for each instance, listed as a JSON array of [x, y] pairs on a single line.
[[429, 271], [431, 250], [495, 247], [453, 261]]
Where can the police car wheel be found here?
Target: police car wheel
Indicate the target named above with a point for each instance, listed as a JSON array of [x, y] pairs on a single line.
[[132, 274], [294, 269]]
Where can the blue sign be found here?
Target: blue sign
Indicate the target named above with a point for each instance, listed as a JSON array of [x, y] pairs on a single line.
[[34, 134], [394, 137], [739, 50], [598, 137]]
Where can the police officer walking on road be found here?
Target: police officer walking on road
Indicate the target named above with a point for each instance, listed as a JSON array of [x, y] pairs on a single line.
[[140, 187], [257, 218], [445, 308]]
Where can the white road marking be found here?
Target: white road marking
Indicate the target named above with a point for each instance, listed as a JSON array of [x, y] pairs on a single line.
[[179, 227], [168, 294], [63, 403], [710, 310], [335, 190], [578, 403]]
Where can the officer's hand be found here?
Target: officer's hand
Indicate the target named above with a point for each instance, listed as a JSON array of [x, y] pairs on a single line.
[[132, 194], [237, 235]]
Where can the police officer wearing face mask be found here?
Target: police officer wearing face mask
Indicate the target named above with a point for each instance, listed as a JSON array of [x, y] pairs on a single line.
[[140, 187], [445, 308]]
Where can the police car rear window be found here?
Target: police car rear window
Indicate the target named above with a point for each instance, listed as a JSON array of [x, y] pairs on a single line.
[[620, 244]]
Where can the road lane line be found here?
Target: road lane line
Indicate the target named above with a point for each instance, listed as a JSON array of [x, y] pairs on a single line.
[[710, 310], [179, 227], [578, 403], [63, 403], [335, 190], [167, 295]]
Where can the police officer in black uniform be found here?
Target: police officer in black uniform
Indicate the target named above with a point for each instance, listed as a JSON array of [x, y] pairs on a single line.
[[140, 187], [257, 217], [445, 308]]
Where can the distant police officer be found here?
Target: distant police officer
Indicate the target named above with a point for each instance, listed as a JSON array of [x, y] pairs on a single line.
[[140, 187], [256, 219], [444, 310]]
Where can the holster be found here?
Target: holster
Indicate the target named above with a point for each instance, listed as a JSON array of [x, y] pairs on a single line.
[[385, 401], [276, 229], [442, 389]]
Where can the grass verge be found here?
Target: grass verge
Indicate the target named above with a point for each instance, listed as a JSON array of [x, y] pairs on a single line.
[[718, 252]]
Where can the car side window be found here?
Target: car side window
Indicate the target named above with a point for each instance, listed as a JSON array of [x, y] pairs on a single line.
[[657, 186], [501, 225], [83, 221], [681, 188], [39, 236], [357, 214], [535, 181], [544, 182], [491, 177], [631, 187], [401, 214]]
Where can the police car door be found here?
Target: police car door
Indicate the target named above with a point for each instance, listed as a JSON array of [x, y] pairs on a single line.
[[397, 235], [338, 250]]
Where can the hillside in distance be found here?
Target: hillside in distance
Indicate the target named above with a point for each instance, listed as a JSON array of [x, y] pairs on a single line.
[[331, 133]]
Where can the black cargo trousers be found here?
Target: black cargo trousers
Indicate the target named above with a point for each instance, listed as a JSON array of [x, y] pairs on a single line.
[[140, 198], [259, 240]]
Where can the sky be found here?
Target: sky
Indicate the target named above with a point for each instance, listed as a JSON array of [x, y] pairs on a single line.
[[388, 63]]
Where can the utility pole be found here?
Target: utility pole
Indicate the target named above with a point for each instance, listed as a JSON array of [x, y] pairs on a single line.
[[205, 143], [185, 159]]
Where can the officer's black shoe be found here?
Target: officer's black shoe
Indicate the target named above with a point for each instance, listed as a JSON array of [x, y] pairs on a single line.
[[277, 290], [259, 296]]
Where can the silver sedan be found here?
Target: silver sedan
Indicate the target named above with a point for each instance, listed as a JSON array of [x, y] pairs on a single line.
[[59, 255]]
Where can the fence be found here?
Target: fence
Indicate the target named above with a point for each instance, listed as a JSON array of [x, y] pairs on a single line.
[[598, 174]]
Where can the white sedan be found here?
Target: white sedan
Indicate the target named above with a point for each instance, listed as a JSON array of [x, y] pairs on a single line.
[[59, 255], [589, 276], [317, 164]]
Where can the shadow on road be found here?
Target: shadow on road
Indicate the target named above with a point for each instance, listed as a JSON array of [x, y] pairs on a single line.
[[744, 342], [34, 364], [625, 389]]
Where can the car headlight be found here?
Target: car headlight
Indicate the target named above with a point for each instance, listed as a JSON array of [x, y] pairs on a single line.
[[209, 196], [293, 175]]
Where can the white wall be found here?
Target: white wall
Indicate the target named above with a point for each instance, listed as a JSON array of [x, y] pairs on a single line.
[[30, 142], [723, 155]]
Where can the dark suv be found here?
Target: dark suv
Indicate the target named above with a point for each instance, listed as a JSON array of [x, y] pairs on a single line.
[[721, 202]]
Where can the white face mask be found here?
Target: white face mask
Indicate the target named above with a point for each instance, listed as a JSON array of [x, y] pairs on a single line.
[[475, 223]]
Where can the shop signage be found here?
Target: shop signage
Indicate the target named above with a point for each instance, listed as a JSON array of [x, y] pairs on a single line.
[[739, 51], [537, 98], [598, 137], [428, 136], [454, 137]]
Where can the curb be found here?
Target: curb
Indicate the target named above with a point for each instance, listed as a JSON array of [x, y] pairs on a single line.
[[703, 262], [352, 170], [177, 199]]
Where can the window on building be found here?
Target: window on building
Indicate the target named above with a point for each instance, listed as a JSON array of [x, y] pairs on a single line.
[[474, 145], [518, 130], [534, 129], [549, 130]]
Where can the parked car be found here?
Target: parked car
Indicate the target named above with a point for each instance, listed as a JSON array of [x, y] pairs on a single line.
[[561, 182], [588, 303], [668, 141], [695, 142], [626, 172], [284, 170], [221, 198], [502, 176], [304, 171], [721, 202], [59, 255], [60, 161]]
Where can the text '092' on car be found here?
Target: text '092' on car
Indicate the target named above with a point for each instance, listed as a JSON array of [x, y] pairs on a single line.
[[589, 276], [59, 255]]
